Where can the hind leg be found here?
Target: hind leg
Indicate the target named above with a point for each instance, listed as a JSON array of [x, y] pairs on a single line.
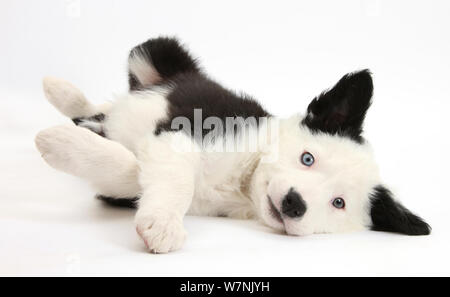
[[71, 102], [109, 166]]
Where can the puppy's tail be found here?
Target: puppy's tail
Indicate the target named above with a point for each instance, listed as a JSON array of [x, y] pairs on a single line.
[[157, 61]]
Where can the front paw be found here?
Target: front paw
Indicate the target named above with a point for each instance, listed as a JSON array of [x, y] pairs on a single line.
[[162, 232]]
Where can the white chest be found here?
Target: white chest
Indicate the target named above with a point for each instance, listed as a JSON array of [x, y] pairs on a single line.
[[221, 187]]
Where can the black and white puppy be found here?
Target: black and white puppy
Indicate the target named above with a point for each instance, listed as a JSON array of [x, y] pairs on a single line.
[[179, 143]]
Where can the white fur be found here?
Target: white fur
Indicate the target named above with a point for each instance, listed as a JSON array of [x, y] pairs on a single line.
[[204, 181], [111, 168], [142, 69], [66, 98], [133, 115], [91, 125], [167, 179], [69, 100], [342, 168]]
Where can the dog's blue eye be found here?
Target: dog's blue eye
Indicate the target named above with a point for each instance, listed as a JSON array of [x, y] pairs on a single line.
[[339, 203], [307, 159]]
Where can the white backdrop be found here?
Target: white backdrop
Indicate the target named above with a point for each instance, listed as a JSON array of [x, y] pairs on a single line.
[[282, 52]]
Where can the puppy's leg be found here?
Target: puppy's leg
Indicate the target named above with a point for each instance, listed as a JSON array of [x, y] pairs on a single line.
[[71, 102], [167, 179], [109, 166]]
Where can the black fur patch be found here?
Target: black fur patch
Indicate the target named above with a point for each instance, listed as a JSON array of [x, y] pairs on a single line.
[[390, 216], [195, 91], [167, 56], [95, 118], [342, 109], [119, 202], [190, 88], [98, 118]]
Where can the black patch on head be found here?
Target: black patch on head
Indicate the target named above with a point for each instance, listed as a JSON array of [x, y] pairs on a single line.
[[390, 216], [167, 56], [119, 202], [196, 91], [342, 109]]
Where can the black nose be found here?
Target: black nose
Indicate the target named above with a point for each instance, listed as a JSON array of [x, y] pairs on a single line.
[[293, 205]]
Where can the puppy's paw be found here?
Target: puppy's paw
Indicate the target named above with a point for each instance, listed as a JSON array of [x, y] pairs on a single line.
[[65, 97], [162, 232]]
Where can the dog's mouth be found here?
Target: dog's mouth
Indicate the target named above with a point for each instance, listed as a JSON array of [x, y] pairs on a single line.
[[274, 212]]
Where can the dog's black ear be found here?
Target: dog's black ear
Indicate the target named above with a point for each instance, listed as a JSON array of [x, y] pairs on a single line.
[[390, 216], [341, 110]]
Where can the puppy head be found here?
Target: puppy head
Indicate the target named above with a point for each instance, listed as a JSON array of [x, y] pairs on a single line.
[[326, 179]]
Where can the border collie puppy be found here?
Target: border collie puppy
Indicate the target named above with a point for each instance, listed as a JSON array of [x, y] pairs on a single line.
[[179, 143]]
